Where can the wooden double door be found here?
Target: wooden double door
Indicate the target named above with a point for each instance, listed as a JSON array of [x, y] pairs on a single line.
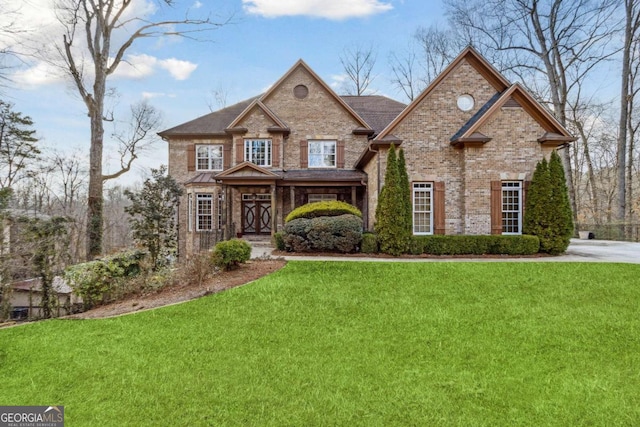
[[256, 213]]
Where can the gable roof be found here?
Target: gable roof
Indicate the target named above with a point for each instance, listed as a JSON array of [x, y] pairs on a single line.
[[258, 104], [247, 168], [555, 134], [212, 124], [378, 111], [301, 64], [477, 61], [372, 113]]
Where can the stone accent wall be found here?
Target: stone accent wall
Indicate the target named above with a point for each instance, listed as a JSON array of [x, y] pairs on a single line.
[[318, 116], [187, 241]]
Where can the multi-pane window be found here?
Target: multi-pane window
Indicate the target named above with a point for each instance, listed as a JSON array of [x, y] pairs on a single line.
[[422, 208], [322, 197], [209, 157], [204, 212], [258, 151], [322, 154], [511, 207]]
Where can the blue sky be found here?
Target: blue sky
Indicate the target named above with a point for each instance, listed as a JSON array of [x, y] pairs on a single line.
[[242, 59]]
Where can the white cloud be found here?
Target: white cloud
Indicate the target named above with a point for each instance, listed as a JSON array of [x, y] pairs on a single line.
[[180, 70], [39, 74], [330, 9], [197, 5], [136, 67], [143, 65], [151, 95], [338, 81]]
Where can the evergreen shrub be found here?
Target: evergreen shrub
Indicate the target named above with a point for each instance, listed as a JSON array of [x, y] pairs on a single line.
[[278, 241], [229, 254], [391, 227], [323, 234], [369, 243], [325, 208], [474, 245], [98, 281]]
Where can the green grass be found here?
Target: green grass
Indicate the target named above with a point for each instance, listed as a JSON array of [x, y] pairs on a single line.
[[350, 343]]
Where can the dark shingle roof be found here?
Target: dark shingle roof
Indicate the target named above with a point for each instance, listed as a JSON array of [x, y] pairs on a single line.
[[210, 124], [322, 175], [378, 111], [476, 116]]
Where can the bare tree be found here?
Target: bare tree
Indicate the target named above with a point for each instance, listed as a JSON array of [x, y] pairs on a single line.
[[430, 51], [633, 129], [556, 41], [136, 137], [92, 53], [438, 48], [406, 76], [358, 62], [631, 34], [218, 98]]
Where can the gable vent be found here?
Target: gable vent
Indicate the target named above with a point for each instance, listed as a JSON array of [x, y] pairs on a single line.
[[300, 91], [511, 103]]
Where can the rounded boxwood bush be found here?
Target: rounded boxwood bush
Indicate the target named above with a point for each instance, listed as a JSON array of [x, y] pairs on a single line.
[[326, 208], [229, 254], [369, 243], [324, 234]]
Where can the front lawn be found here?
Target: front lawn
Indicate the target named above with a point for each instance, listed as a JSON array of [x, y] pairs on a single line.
[[352, 343]]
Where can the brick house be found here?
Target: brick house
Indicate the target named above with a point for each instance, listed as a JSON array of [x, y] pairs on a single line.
[[471, 141]]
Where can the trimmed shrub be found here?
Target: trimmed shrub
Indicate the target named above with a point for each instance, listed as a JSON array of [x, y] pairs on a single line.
[[278, 240], [229, 254], [369, 243], [326, 208], [324, 234], [474, 245], [98, 281]]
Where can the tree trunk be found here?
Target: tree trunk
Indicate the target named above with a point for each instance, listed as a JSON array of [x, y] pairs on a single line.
[[96, 181], [621, 210]]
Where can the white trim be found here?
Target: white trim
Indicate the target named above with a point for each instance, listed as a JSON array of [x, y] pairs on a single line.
[[427, 188], [322, 155], [321, 197], [517, 187], [249, 152], [204, 197], [209, 159]]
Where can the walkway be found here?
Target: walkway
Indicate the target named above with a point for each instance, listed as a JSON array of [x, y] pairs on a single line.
[[579, 251]]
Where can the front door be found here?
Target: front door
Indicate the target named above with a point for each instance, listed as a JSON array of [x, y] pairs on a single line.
[[256, 213]]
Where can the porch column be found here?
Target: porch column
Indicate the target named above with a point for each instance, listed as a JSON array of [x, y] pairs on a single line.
[[228, 200], [274, 210], [354, 198], [292, 196]]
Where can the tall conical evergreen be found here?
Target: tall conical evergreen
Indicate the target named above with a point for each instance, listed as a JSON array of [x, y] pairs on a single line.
[[406, 190], [548, 211], [389, 213], [537, 206], [562, 219]]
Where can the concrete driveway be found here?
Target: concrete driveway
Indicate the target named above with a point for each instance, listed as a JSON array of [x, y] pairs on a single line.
[[602, 251]]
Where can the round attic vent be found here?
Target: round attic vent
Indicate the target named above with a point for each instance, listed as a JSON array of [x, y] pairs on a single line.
[[300, 91]]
